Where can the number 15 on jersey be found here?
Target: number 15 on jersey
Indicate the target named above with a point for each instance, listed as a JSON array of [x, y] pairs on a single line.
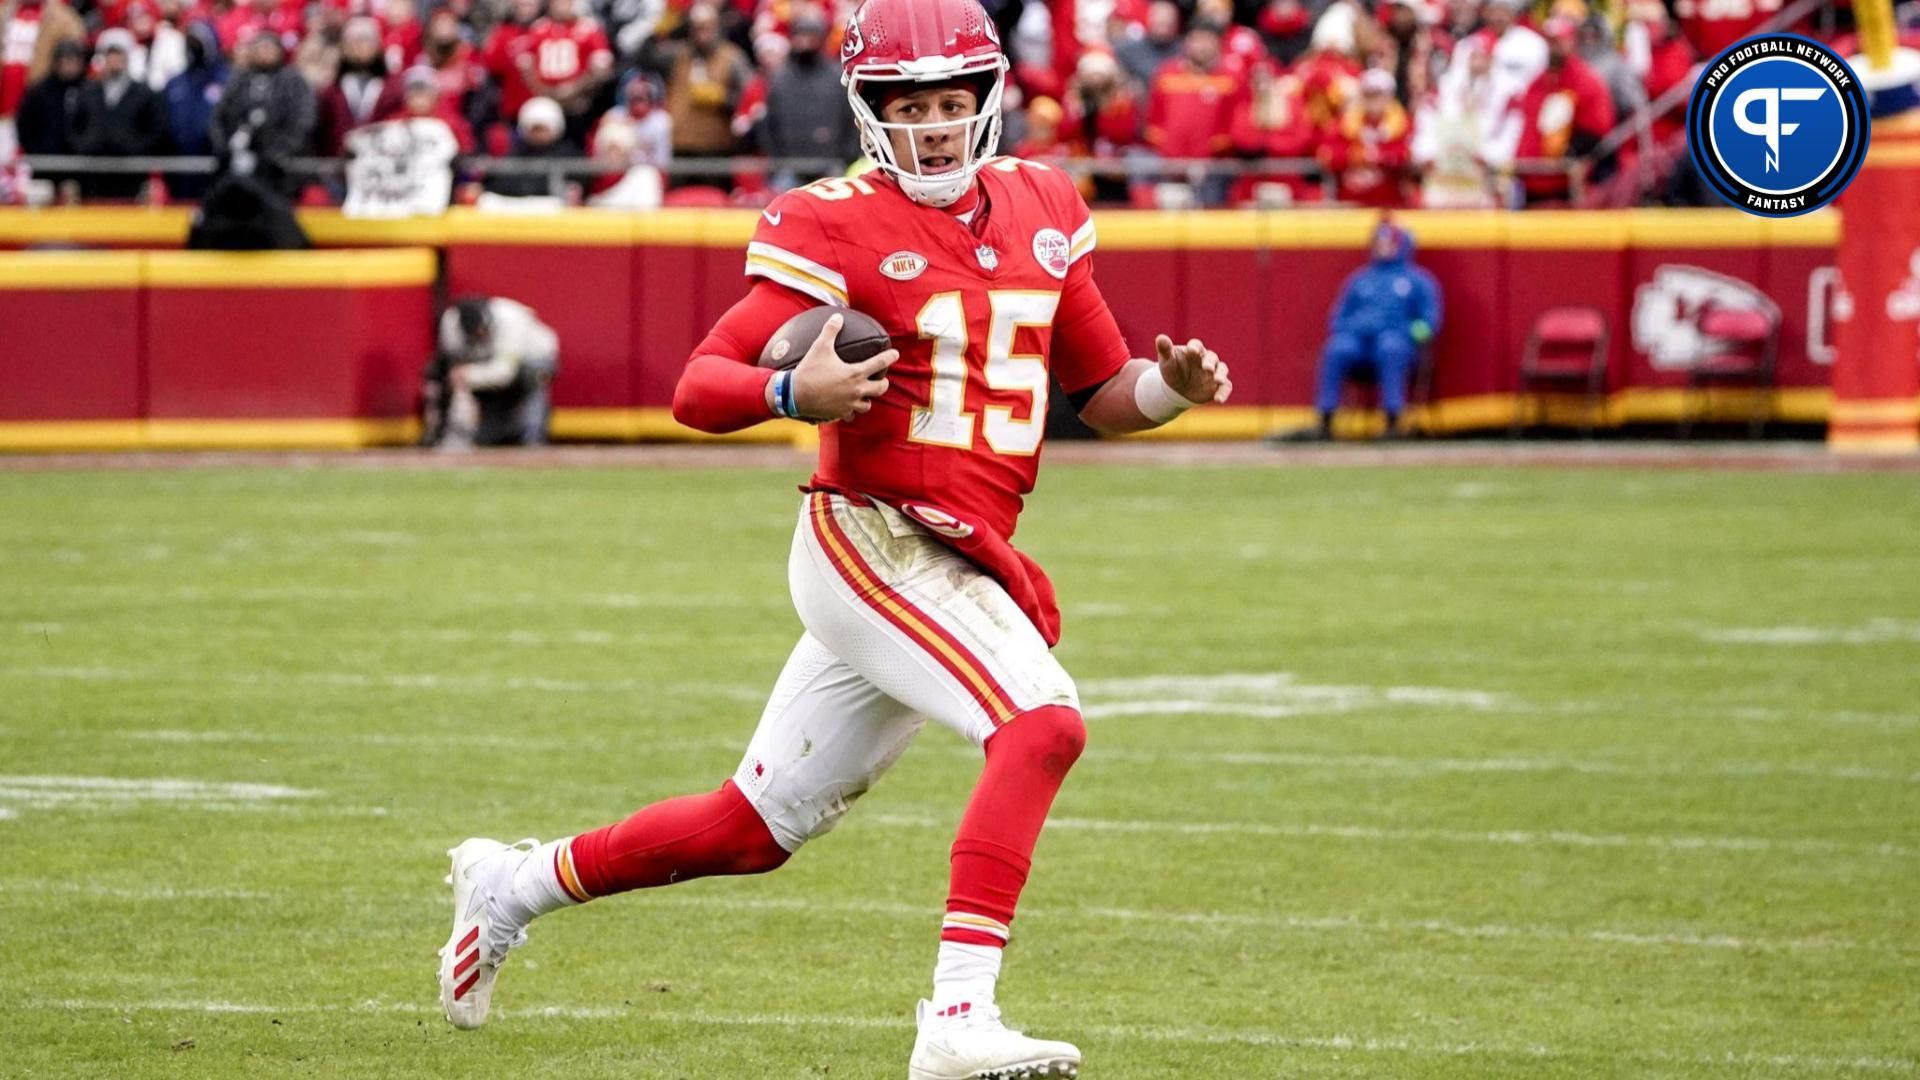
[[958, 359]]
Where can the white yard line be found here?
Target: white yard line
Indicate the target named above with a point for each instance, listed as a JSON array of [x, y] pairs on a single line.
[[1336, 924], [412, 739], [1127, 1033], [1423, 766], [1871, 632], [116, 793], [154, 788], [431, 681], [1277, 688], [155, 892], [1505, 838], [187, 594]]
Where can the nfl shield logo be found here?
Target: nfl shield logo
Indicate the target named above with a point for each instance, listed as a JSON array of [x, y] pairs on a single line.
[[989, 258]]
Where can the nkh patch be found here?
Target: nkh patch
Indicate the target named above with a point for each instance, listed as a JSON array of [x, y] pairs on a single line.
[[904, 265]]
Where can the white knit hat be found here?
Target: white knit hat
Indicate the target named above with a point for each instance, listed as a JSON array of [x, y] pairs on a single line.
[[540, 112]]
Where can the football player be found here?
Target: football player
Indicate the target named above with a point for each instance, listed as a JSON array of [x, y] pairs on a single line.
[[914, 603]]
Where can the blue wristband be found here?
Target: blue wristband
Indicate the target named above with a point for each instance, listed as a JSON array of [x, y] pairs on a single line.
[[779, 392], [788, 406]]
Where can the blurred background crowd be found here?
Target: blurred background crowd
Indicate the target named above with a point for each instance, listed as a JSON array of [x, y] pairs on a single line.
[[1439, 103]]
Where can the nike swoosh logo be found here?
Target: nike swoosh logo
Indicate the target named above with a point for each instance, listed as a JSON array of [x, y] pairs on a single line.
[[773, 219]]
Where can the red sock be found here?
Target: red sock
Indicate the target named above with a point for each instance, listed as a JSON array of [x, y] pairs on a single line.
[[1027, 759], [680, 839]]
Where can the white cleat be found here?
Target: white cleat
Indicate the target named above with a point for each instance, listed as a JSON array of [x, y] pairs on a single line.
[[975, 1045], [472, 955]]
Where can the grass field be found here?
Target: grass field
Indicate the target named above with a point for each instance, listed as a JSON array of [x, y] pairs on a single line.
[[1412, 772]]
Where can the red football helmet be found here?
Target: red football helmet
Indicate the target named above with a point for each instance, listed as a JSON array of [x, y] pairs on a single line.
[[889, 42]]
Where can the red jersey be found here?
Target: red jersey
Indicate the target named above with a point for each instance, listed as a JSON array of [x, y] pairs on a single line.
[[1370, 154], [972, 309], [502, 61], [562, 52], [1563, 102], [1190, 113], [243, 22]]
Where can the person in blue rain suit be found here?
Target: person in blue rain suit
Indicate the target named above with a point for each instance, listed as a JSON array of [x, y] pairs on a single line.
[[1387, 311]]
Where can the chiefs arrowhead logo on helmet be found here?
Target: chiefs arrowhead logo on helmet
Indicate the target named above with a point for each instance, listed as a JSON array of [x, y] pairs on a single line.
[[852, 44], [1667, 312]]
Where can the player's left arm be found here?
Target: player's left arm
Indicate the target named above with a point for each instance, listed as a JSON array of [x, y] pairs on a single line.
[[1113, 392], [1126, 394]]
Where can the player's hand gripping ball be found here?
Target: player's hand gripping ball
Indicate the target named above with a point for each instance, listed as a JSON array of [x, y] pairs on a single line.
[[839, 359]]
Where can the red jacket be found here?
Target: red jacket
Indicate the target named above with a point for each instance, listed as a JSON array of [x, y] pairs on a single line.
[[501, 58], [1370, 154], [338, 116], [1108, 131], [1562, 103], [1272, 122], [1672, 63], [1190, 113]]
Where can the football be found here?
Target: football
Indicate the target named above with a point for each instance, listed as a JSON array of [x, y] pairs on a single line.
[[861, 337]]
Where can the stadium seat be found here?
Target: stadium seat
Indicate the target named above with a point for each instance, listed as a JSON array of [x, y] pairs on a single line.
[[1567, 347], [1740, 347]]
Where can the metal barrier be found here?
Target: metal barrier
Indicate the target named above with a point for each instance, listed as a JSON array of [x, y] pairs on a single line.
[[1194, 172]]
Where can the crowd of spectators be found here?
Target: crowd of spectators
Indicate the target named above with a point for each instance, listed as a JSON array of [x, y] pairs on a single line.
[[1405, 102]]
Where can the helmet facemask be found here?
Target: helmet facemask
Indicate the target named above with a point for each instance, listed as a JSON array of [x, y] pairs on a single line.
[[979, 134]]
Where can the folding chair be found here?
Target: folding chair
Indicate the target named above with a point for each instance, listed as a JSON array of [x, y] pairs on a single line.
[[1742, 345], [1362, 389], [1567, 347]]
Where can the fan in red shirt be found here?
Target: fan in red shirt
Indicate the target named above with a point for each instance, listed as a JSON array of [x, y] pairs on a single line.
[[400, 34], [454, 63], [1102, 120], [423, 101], [567, 58], [1329, 76], [1194, 97], [363, 92], [915, 604], [1563, 113], [1272, 122], [1712, 25], [501, 56], [1662, 57], [249, 18], [1370, 144]]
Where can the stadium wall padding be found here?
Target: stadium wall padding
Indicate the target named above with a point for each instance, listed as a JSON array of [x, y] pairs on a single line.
[[176, 348], [250, 348]]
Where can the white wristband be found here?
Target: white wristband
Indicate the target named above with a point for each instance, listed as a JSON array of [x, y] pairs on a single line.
[[1155, 399]]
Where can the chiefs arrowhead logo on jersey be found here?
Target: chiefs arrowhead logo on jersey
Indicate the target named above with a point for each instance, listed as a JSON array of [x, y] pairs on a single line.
[[1667, 311], [939, 521], [904, 265], [852, 44], [1050, 251]]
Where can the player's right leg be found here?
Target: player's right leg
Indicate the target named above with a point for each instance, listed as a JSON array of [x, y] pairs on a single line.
[[825, 735], [928, 627]]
